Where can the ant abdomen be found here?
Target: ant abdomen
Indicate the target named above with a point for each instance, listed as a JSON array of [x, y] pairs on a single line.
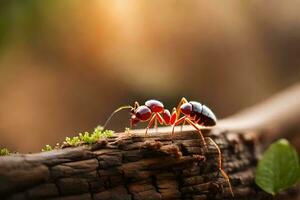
[[208, 118]]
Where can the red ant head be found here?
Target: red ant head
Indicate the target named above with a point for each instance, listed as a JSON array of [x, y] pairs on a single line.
[[141, 113], [186, 108]]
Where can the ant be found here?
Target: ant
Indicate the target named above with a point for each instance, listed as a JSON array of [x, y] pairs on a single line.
[[194, 113]]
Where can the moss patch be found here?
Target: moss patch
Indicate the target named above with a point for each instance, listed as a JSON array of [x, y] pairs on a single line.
[[47, 148], [89, 138], [83, 138], [4, 152]]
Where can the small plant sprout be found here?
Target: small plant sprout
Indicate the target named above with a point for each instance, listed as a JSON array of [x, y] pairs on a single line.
[[57, 146], [101, 133], [127, 131], [86, 138], [47, 148], [4, 152], [73, 141]]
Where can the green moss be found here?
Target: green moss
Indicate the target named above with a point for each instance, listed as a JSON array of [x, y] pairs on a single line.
[[101, 133], [47, 148], [73, 141], [89, 138], [4, 152], [83, 138]]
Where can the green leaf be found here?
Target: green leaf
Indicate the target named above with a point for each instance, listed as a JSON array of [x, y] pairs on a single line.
[[279, 168]]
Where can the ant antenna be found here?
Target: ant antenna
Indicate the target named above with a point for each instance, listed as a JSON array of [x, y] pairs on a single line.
[[117, 110]]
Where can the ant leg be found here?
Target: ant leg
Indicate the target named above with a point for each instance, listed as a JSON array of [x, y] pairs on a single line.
[[219, 151], [173, 120], [226, 177], [182, 101], [155, 117], [150, 123], [178, 112], [182, 126], [155, 124], [160, 119], [182, 119], [199, 131]]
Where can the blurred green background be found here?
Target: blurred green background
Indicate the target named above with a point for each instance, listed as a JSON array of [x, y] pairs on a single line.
[[66, 65]]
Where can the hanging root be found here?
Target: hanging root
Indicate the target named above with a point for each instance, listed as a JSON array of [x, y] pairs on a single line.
[[117, 110], [225, 176]]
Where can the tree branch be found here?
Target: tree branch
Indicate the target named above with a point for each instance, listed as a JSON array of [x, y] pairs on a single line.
[[156, 166]]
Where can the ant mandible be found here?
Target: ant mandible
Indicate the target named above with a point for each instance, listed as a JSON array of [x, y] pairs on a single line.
[[194, 113]]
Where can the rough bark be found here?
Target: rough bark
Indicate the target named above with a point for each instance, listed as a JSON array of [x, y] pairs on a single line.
[[156, 166]]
